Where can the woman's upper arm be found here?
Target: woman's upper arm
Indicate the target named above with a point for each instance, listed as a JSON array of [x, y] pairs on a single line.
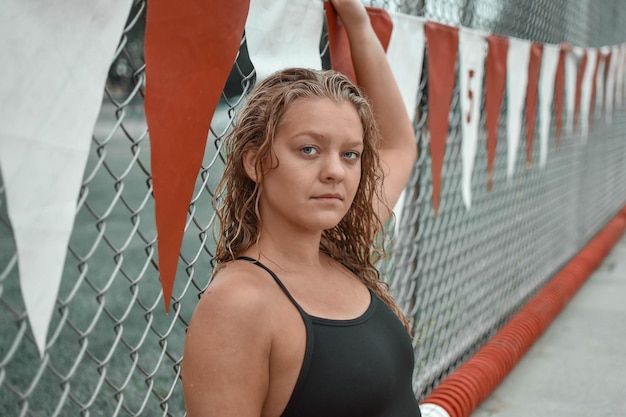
[[397, 166], [225, 368]]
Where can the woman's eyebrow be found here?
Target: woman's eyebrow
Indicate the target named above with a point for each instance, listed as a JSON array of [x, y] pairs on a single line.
[[326, 138], [355, 144]]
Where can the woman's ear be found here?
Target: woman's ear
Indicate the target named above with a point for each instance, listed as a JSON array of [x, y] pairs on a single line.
[[249, 164]]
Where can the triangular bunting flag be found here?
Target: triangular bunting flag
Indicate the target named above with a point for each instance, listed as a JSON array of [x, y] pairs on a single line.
[[442, 42], [597, 68], [597, 95], [46, 136], [494, 92], [623, 75], [585, 97], [619, 76], [405, 54], [471, 69], [559, 90], [571, 89], [531, 98], [190, 48], [518, 58], [581, 54], [549, 63], [283, 35], [609, 93]]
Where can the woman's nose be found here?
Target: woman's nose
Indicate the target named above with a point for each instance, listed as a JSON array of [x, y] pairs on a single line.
[[334, 169]]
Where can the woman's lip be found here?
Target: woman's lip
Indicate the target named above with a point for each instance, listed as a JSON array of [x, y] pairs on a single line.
[[329, 196]]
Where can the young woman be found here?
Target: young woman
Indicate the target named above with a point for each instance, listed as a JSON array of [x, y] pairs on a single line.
[[296, 321]]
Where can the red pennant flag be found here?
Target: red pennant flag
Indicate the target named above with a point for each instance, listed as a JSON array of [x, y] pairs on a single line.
[[582, 64], [190, 48], [495, 79], [442, 43], [534, 66], [340, 56], [558, 92]]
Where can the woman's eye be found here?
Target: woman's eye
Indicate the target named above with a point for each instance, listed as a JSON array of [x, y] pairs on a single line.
[[351, 155], [308, 150]]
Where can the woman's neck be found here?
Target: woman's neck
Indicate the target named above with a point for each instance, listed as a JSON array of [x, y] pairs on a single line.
[[288, 252]]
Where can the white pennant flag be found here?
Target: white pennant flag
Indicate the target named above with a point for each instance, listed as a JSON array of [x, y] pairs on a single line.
[[405, 54], [621, 73], [549, 62], [619, 76], [59, 54], [609, 94], [517, 61], [571, 72], [600, 81], [284, 34], [585, 95], [472, 50]]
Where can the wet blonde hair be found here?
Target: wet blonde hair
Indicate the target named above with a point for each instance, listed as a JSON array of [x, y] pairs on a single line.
[[353, 242]]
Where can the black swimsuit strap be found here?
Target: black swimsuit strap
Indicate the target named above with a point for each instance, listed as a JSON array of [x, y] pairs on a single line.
[[278, 281]]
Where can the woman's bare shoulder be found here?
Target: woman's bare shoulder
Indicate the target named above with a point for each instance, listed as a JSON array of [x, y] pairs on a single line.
[[228, 344], [239, 287]]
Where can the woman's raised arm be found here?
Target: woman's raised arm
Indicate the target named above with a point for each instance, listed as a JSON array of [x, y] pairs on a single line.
[[398, 150]]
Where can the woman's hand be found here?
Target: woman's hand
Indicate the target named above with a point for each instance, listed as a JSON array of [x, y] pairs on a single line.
[[352, 13]]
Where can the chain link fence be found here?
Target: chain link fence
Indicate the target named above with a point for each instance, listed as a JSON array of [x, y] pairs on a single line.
[[112, 350]]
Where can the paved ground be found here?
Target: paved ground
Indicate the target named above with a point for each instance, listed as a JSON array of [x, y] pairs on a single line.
[[578, 367]]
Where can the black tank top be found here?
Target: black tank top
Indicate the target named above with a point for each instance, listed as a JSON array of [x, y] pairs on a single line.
[[353, 368]]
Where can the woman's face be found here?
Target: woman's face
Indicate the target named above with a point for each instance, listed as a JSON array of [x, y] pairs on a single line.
[[318, 146]]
